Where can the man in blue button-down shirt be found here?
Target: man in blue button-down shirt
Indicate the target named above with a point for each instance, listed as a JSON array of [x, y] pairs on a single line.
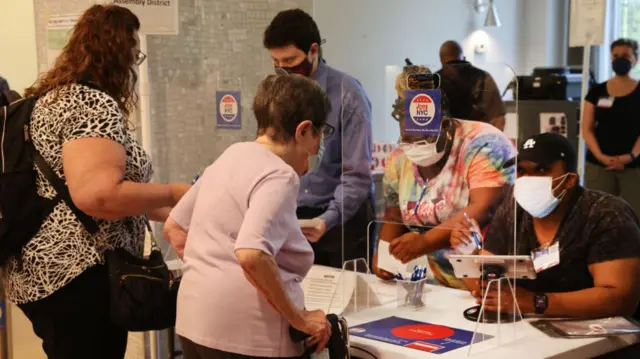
[[338, 197]]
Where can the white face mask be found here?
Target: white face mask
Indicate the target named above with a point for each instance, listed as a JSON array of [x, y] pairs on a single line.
[[535, 195], [423, 153]]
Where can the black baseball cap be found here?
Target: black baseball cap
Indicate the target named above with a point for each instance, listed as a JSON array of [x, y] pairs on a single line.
[[547, 148]]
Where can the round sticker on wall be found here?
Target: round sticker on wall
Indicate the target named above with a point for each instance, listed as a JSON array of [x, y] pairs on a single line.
[[228, 108], [422, 110]]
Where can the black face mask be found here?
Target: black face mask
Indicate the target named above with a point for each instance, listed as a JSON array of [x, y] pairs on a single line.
[[304, 68], [621, 66]]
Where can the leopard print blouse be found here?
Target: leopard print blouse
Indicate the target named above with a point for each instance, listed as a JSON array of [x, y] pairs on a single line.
[[63, 249]]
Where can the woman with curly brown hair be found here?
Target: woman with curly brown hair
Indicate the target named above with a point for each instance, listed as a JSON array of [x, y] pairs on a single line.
[[79, 126]]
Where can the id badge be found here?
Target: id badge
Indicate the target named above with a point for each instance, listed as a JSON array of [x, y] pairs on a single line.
[[546, 258], [606, 102]]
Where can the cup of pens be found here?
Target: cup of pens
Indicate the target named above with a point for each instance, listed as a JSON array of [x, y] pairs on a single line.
[[411, 293]]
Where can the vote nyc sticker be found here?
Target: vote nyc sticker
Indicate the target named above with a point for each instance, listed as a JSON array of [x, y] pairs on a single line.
[[229, 110], [422, 112]]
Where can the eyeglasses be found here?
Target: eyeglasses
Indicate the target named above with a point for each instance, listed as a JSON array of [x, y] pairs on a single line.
[[327, 130], [140, 57]]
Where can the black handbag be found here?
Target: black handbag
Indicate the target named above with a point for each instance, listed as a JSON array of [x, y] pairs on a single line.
[[143, 292]]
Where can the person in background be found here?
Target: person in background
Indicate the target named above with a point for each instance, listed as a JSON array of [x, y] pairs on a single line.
[[60, 281], [472, 92], [244, 252], [7, 95], [339, 196], [612, 130], [431, 182], [594, 235]]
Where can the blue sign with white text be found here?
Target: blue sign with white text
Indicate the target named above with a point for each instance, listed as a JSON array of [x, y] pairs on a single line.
[[422, 115], [229, 114], [426, 337]]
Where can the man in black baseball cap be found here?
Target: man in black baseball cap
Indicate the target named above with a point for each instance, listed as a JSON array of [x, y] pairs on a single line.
[[585, 244], [547, 148]]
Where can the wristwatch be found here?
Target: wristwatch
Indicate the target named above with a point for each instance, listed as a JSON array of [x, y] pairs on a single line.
[[540, 303]]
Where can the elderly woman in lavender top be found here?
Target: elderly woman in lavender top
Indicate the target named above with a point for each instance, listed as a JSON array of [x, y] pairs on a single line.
[[237, 232]]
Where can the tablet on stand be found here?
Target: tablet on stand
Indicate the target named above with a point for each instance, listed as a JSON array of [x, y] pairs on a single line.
[[496, 273]]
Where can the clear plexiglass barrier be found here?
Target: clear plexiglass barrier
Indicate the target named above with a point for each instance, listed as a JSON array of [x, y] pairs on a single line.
[[427, 293]]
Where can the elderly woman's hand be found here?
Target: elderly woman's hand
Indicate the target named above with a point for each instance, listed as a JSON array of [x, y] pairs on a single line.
[[176, 236], [315, 324]]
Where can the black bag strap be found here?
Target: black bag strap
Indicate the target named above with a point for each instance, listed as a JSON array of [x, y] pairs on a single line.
[[154, 242], [63, 192]]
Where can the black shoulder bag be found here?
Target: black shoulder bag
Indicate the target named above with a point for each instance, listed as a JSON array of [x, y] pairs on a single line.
[[143, 291]]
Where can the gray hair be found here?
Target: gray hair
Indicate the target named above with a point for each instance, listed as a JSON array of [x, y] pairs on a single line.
[[283, 101]]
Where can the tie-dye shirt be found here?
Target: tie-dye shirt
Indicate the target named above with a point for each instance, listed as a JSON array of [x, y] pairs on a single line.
[[476, 161]]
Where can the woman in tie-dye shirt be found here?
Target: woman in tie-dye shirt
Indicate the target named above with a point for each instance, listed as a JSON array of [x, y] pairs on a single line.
[[430, 182]]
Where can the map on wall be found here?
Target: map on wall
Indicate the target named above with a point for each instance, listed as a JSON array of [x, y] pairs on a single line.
[[58, 32]]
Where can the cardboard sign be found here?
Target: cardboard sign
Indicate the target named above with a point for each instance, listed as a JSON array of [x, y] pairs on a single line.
[[422, 112], [432, 338], [229, 110], [157, 17]]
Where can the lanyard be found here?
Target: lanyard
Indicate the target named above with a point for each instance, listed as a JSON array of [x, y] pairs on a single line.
[[415, 209]]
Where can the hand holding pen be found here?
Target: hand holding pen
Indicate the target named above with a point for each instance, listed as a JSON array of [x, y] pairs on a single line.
[[468, 236]]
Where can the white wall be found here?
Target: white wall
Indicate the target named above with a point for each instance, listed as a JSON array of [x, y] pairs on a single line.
[[365, 36], [18, 62], [543, 39]]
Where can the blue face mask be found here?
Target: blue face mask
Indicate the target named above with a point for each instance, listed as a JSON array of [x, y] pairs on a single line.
[[315, 160]]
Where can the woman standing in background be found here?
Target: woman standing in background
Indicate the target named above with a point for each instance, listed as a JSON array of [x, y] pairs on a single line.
[[611, 128]]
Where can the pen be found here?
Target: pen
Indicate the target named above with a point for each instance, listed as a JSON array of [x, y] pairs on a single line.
[[473, 233], [195, 179]]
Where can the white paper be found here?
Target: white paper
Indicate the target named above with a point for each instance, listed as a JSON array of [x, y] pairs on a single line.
[[157, 17], [587, 22], [511, 125], [554, 122], [467, 248], [308, 223], [328, 289], [388, 262], [58, 32]]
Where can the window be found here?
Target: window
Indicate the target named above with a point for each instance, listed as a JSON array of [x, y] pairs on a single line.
[[623, 20], [628, 13]]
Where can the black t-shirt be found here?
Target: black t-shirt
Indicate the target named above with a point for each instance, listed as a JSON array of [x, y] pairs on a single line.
[[598, 228], [617, 127], [471, 92]]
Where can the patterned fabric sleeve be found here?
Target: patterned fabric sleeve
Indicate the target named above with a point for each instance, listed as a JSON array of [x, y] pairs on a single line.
[[95, 115], [391, 180], [489, 161]]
